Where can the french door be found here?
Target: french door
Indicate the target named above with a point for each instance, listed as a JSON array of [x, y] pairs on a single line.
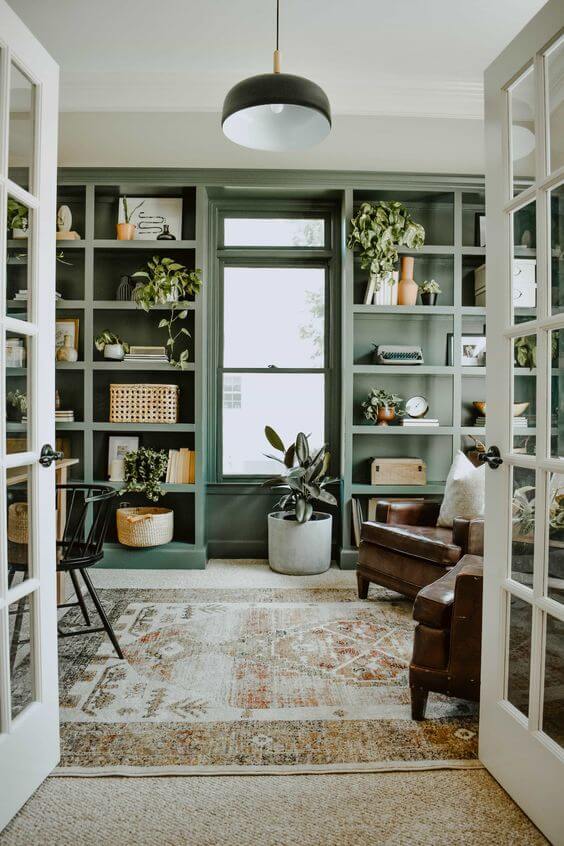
[[29, 731], [522, 703]]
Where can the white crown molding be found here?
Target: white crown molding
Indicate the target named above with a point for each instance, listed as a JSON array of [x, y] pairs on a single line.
[[169, 92]]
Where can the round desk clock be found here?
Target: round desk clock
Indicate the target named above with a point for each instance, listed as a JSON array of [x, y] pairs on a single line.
[[417, 406]]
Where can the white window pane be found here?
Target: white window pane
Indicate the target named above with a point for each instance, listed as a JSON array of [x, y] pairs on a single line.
[[273, 232], [555, 82], [523, 139], [274, 316], [289, 402]]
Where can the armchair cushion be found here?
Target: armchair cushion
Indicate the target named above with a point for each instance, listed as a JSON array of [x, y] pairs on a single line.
[[464, 491], [427, 542], [406, 512], [434, 603]]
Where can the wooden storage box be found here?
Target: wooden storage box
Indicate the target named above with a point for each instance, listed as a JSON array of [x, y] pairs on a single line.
[[143, 403], [398, 471]]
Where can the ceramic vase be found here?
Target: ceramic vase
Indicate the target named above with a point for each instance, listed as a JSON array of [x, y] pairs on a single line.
[[67, 352], [166, 235], [407, 288], [385, 415], [115, 352], [125, 231], [429, 299]]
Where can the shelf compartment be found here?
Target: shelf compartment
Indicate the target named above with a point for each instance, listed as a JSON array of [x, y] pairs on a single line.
[[180, 502], [171, 376], [154, 439], [470, 263], [438, 266], [110, 264], [433, 209], [437, 388], [107, 207], [473, 203], [435, 451], [142, 331], [413, 330]]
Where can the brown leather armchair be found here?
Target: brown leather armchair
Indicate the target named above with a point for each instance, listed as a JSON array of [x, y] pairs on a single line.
[[447, 641], [404, 549]]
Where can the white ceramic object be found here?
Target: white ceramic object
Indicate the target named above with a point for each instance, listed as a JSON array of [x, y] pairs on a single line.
[[299, 549], [19, 233], [114, 352], [117, 470], [64, 219]]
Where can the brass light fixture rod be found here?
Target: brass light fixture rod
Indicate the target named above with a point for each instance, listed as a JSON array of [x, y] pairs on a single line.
[[277, 51]]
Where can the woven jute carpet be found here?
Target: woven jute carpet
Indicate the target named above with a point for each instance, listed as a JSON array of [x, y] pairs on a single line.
[[252, 681]]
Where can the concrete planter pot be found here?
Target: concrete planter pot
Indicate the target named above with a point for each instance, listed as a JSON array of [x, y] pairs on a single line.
[[299, 549]]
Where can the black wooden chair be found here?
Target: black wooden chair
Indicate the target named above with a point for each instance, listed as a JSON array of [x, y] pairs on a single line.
[[88, 512]]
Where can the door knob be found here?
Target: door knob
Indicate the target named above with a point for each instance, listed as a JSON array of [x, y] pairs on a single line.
[[49, 455], [492, 457]]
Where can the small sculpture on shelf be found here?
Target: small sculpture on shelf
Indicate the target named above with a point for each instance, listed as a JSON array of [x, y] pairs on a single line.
[[124, 292], [64, 223]]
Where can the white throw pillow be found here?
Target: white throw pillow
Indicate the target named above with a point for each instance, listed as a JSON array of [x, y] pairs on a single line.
[[465, 491]]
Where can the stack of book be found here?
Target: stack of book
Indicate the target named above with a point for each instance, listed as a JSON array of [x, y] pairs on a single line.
[[517, 422], [419, 422], [21, 295], [181, 469], [146, 354], [64, 416]]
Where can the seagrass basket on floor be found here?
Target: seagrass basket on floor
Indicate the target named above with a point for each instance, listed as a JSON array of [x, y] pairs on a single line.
[[140, 403], [144, 526]]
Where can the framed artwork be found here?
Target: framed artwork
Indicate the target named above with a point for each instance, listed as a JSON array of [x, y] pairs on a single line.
[[472, 350], [480, 230], [66, 326], [119, 446], [152, 214]]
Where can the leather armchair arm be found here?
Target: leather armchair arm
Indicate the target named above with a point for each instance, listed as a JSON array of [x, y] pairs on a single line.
[[408, 512], [469, 535]]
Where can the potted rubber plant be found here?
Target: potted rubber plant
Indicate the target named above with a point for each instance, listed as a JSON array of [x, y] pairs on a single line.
[[111, 345], [126, 229], [377, 230], [299, 538], [382, 407], [169, 283], [429, 291]]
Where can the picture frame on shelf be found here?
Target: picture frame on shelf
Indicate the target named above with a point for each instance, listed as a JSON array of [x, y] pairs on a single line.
[[119, 446], [152, 215], [66, 326], [472, 350], [480, 229], [15, 351]]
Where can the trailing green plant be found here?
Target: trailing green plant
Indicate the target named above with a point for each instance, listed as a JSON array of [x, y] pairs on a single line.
[[106, 337], [304, 477], [524, 507], [126, 213], [429, 287], [525, 350], [18, 215], [144, 469], [16, 399], [378, 230], [169, 283], [379, 398]]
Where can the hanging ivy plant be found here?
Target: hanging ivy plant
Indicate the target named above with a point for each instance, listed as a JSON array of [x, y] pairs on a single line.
[[144, 469]]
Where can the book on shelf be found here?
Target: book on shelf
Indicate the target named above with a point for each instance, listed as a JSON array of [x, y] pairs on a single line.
[[64, 416], [181, 468], [517, 422], [357, 518], [419, 422]]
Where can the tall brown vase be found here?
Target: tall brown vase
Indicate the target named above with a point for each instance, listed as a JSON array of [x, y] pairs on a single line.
[[407, 288]]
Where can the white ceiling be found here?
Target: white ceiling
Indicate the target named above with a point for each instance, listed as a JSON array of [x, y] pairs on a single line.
[[373, 57]]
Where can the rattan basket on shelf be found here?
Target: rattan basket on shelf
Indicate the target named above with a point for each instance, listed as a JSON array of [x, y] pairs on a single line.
[[146, 526], [140, 403], [18, 522]]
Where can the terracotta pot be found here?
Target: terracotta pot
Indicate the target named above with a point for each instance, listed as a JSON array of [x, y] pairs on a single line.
[[125, 231], [407, 288], [386, 415]]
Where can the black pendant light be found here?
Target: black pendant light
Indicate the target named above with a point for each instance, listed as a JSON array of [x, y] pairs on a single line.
[[276, 111]]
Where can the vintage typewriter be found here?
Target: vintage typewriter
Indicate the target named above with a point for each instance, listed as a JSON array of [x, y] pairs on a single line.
[[397, 354]]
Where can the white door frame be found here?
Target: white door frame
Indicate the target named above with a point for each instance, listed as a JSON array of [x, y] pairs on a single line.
[[527, 763], [29, 744]]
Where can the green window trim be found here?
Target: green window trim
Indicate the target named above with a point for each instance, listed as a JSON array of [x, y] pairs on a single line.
[[220, 256]]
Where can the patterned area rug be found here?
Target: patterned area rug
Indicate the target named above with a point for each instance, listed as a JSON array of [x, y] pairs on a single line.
[[264, 680]]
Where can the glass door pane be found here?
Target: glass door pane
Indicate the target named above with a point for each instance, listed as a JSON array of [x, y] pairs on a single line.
[[18, 266], [524, 264], [555, 85], [557, 248], [22, 128], [553, 700], [522, 103], [519, 654]]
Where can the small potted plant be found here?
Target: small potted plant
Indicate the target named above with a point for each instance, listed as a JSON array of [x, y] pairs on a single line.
[[126, 229], [429, 291], [378, 229], [16, 406], [381, 407], [169, 283], [111, 345], [17, 218], [299, 538]]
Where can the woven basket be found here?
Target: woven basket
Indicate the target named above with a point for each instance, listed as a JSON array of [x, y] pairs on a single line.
[[18, 522], [144, 403], [144, 526]]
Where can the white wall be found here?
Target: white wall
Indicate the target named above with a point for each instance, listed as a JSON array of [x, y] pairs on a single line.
[[178, 139]]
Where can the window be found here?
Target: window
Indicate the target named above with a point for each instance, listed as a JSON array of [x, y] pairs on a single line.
[[274, 357]]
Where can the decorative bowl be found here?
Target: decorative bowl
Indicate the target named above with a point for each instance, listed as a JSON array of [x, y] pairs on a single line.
[[519, 408]]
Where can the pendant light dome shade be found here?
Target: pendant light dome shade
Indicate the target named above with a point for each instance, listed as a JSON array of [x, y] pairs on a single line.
[[276, 111]]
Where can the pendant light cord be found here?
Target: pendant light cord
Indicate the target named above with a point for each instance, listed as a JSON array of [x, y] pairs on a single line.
[[277, 51]]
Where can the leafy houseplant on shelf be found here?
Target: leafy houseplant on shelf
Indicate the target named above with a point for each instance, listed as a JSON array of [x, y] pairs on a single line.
[[111, 345], [17, 218], [144, 469], [378, 229], [169, 283], [126, 230], [381, 407], [16, 406], [299, 538], [429, 292]]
